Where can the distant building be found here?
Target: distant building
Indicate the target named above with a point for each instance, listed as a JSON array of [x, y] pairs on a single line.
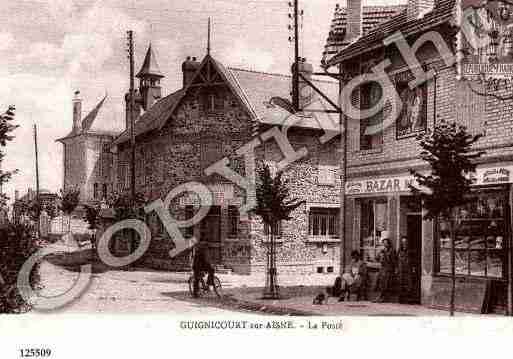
[[87, 160]]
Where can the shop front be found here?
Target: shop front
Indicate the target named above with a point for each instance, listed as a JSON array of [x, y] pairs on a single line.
[[384, 207]]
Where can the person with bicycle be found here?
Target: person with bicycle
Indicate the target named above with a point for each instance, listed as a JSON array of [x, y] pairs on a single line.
[[201, 265]]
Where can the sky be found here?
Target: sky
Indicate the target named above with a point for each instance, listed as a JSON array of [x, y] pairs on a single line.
[[49, 49]]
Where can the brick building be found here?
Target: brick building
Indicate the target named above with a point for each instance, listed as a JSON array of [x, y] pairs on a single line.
[[380, 154], [87, 160], [216, 112]]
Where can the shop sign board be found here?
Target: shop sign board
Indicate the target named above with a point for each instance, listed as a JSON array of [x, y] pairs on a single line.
[[483, 176], [380, 185]]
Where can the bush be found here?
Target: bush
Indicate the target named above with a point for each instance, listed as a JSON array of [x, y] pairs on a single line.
[[17, 244]]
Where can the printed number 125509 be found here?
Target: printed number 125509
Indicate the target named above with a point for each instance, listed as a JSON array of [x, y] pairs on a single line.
[[35, 353]]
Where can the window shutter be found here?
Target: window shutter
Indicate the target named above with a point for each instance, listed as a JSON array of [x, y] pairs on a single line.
[[353, 126]]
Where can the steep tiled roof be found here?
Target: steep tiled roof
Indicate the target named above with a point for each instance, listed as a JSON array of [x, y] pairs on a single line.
[[371, 17], [260, 87], [155, 117], [442, 13], [255, 89], [89, 122]]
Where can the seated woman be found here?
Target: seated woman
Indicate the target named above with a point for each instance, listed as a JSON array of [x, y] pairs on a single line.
[[354, 280]]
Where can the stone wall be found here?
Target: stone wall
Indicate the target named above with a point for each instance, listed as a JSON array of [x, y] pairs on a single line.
[[194, 139]]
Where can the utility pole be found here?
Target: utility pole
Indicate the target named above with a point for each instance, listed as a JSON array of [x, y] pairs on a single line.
[[131, 115], [131, 106], [343, 198], [295, 74], [37, 183]]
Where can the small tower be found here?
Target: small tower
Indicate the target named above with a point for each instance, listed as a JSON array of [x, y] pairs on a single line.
[[149, 76]]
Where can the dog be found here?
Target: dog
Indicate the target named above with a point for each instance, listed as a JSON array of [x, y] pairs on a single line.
[[319, 299]]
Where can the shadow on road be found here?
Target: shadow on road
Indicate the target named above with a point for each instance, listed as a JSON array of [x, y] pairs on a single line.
[[72, 261]]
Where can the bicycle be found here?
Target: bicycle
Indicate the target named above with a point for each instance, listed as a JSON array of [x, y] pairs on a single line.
[[203, 287]]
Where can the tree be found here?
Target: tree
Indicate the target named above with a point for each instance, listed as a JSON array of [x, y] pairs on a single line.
[[92, 217], [69, 202], [448, 151], [126, 208], [17, 243], [273, 204], [6, 129]]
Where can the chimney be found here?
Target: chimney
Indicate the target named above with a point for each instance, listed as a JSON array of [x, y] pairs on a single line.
[[16, 195], [354, 20], [30, 194], [417, 8], [77, 111], [306, 92], [189, 68]]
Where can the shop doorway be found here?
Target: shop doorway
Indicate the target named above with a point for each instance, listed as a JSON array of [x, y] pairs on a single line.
[[210, 233], [414, 233]]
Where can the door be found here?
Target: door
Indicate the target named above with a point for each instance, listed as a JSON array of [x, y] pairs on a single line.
[[211, 234], [414, 230]]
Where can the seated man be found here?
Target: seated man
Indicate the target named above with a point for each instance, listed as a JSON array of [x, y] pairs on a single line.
[[354, 280]]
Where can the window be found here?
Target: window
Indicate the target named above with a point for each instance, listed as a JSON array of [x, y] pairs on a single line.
[[413, 117], [104, 191], [371, 128], [278, 230], [211, 152], [189, 213], [95, 191], [213, 102], [323, 222], [373, 222], [126, 176], [480, 238], [233, 221]]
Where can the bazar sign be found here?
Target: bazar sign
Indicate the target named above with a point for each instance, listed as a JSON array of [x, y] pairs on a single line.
[[380, 185], [483, 176]]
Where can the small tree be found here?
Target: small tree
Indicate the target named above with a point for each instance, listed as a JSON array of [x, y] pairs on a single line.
[[448, 151], [273, 205], [126, 208], [69, 202], [91, 217]]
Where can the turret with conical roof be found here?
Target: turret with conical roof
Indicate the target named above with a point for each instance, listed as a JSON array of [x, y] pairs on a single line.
[[149, 76]]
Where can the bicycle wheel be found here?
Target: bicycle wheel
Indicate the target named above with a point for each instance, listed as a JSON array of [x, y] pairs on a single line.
[[217, 286]]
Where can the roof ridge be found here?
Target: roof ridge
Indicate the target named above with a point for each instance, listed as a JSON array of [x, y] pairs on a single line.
[[259, 72], [316, 79]]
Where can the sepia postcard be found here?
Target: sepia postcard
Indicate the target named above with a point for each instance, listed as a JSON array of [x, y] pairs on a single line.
[[179, 174]]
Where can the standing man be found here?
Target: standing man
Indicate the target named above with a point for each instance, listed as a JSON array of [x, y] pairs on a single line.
[[387, 259], [404, 272]]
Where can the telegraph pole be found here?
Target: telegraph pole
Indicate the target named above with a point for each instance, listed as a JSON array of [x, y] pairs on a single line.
[[131, 114], [131, 106], [295, 74], [37, 183]]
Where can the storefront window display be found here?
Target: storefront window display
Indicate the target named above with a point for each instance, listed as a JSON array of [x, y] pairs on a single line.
[[479, 243], [372, 225]]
